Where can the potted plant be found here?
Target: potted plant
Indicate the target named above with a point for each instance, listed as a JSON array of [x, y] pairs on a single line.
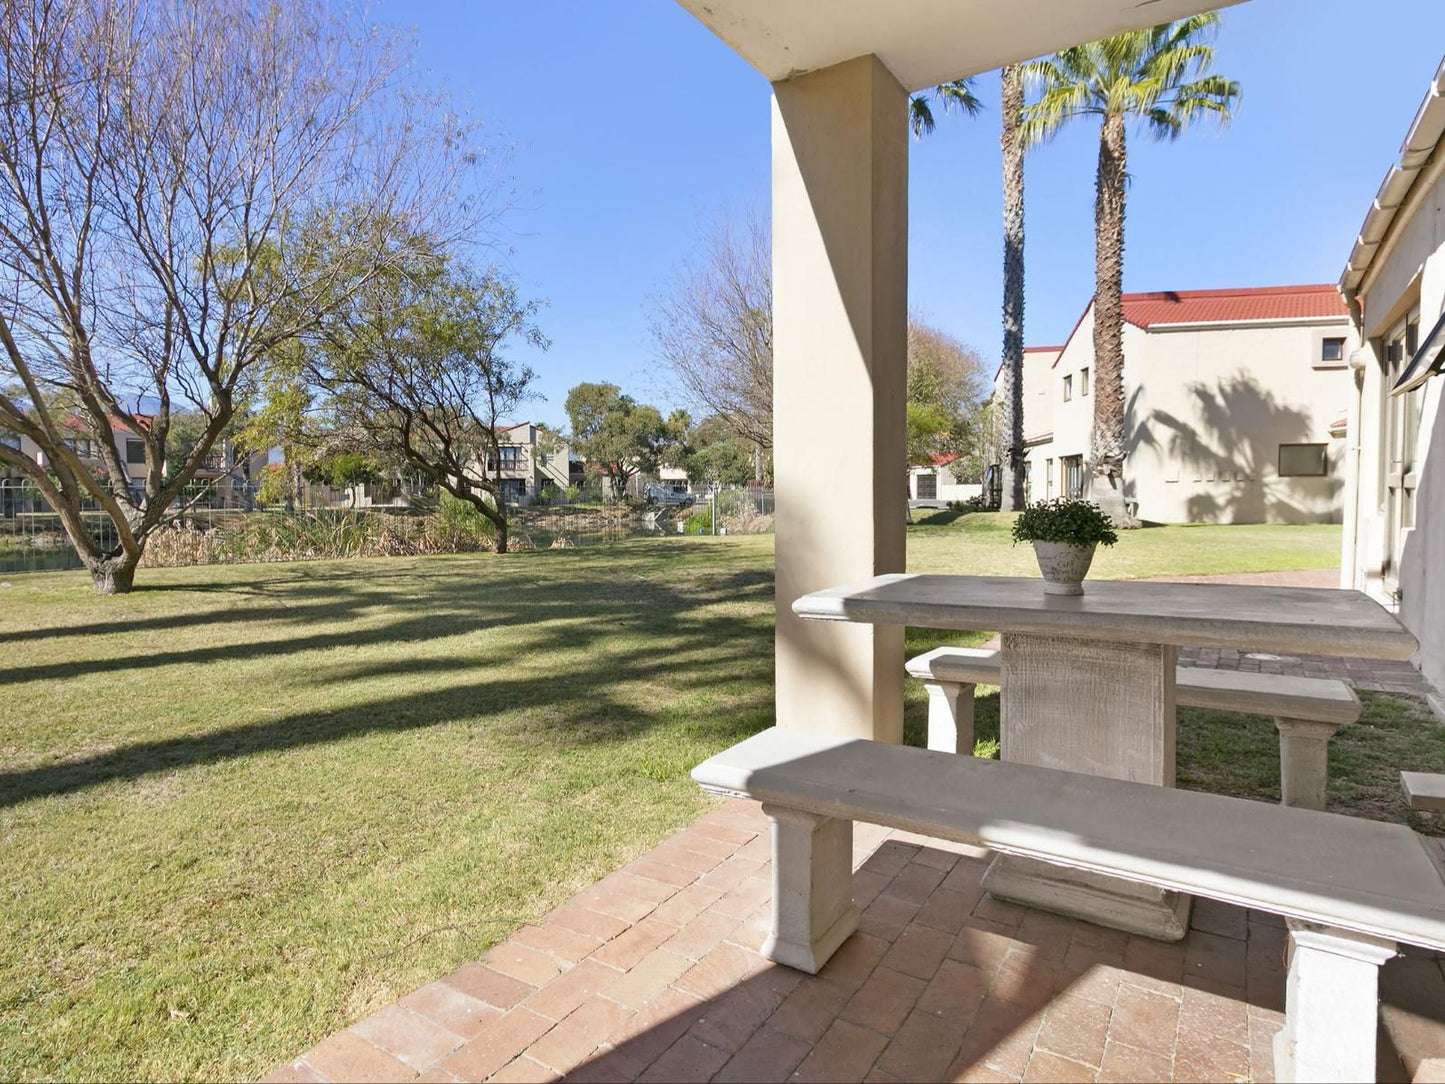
[[1065, 533]]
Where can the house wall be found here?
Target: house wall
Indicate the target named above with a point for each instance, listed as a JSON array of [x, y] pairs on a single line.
[[1409, 270], [947, 485], [1038, 415], [1207, 410], [531, 469]]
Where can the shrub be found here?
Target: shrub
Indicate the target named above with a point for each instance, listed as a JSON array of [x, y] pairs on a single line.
[[700, 522], [459, 526], [1064, 519]]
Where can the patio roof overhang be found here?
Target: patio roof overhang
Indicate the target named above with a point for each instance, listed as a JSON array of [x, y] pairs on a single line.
[[922, 42]]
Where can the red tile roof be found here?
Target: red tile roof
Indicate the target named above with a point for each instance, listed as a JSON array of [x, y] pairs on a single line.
[[1233, 306], [1040, 349], [1239, 305]]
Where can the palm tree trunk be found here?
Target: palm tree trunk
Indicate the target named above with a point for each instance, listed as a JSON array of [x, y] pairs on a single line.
[[1108, 444], [1012, 392]]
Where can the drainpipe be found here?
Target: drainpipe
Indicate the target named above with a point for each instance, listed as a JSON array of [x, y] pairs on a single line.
[[1349, 555]]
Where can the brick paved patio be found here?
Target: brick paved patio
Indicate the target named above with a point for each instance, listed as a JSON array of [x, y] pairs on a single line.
[[653, 974]]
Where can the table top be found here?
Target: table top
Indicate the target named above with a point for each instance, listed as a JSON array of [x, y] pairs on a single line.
[[1297, 620]]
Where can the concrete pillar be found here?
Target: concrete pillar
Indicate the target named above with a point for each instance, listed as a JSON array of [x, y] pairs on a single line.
[[1331, 1005], [950, 717], [813, 910], [1304, 754], [840, 298]]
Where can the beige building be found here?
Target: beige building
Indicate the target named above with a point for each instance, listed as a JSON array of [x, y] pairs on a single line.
[[941, 480], [533, 458], [1395, 286], [1235, 404]]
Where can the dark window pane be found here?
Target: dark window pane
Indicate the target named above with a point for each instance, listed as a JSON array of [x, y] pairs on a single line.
[[1303, 460]]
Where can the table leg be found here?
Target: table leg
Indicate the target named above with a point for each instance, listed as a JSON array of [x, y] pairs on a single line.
[[1100, 708]]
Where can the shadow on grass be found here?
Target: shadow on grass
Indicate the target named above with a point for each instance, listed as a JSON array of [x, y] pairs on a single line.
[[684, 645]]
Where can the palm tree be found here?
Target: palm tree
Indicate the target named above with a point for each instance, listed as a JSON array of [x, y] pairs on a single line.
[[1011, 421], [959, 95], [1160, 77]]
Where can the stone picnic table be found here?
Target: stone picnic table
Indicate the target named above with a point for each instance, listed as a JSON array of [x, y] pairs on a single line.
[[1090, 683]]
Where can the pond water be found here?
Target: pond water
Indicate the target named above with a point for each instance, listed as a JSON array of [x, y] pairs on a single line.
[[30, 559]]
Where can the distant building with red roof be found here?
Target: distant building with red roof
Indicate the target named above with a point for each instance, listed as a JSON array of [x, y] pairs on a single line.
[[1233, 398]]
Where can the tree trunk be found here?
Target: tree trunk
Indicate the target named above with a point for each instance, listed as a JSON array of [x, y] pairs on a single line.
[[1012, 390], [1108, 447], [113, 575], [501, 531]]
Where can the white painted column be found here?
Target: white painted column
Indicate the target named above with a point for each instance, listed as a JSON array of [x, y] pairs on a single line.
[[1304, 761], [950, 716], [813, 910], [1331, 1005], [840, 298]]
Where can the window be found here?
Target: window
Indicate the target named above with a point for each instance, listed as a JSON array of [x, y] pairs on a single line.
[[1332, 349], [1028, 482], [1083, 382], [9, 439], [1073, 476], [1068, 387], [135, 451], [1049, 479], [1303, 460], [511, 458]]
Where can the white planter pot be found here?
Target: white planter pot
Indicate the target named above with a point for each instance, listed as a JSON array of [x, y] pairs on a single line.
[[1064, 566]]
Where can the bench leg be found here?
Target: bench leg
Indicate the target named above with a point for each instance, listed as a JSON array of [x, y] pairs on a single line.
[[1331, 1005], [1304, 753], [813, 910], [950, 717]]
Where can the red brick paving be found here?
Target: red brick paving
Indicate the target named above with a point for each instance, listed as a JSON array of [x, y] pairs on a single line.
[[941, 983]]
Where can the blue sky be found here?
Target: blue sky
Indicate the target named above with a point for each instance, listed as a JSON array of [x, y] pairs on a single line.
[[631, 128]]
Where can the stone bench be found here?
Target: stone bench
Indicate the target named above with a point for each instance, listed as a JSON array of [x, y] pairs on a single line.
[[1350, 889], [1306, 711], [1424, 791]]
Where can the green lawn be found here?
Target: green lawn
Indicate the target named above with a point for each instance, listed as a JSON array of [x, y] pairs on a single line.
[[246, 805], [980, 544]]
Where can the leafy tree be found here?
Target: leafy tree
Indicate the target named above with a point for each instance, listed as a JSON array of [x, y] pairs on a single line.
[[711, 452], [1161, 78], [617, 436], [946, 391], [414, 371], [171, 177]]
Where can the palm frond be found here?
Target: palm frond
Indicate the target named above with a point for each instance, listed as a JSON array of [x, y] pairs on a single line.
[[1055, 108], [920, 116], [959, 95]]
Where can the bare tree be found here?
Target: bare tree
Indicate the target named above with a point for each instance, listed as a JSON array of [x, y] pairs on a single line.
[[714, 328], [177, 182]]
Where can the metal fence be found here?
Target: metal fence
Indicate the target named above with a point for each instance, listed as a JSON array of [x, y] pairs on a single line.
[[32, 538]]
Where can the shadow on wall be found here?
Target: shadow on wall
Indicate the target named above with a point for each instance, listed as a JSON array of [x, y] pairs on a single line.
[[1424, 548], [1241, 425]]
